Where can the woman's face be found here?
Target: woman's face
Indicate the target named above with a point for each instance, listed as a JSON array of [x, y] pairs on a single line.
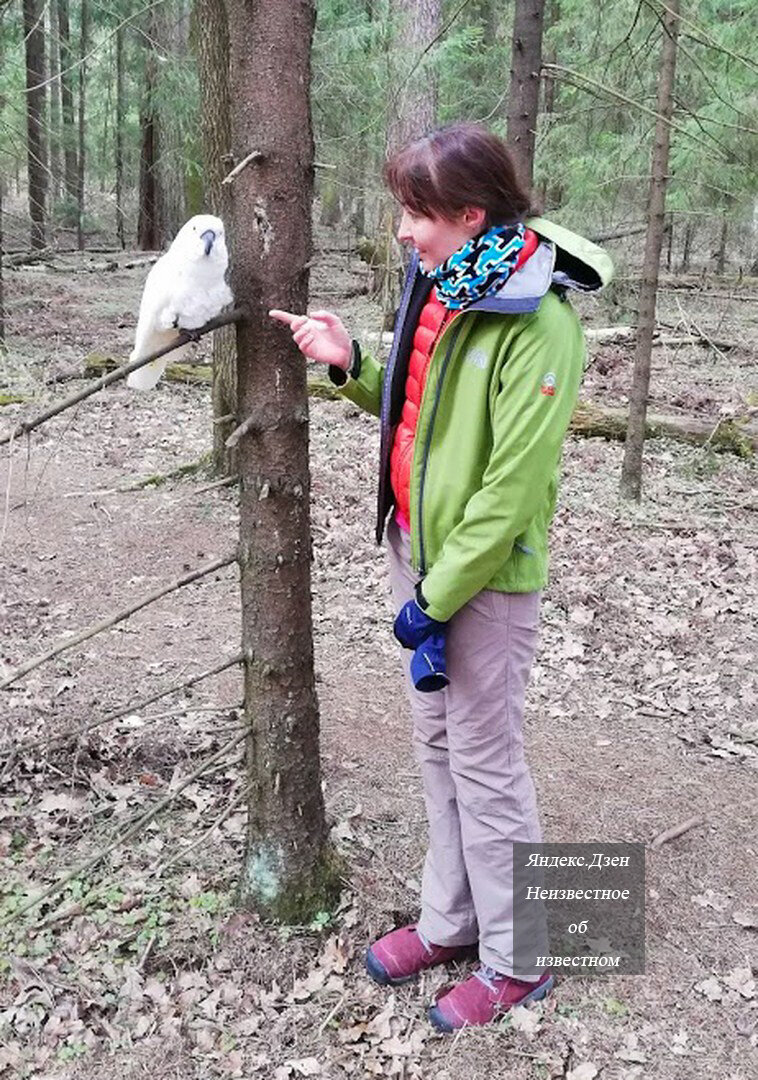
[[436, 238]]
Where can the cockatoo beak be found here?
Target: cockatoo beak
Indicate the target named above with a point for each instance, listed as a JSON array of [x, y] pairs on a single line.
[[208, 237]]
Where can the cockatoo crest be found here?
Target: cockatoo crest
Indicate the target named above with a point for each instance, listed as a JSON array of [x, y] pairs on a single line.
[[183, 291]]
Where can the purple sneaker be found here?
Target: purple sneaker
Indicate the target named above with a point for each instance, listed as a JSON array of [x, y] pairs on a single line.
[[403, 954], [483, 997]]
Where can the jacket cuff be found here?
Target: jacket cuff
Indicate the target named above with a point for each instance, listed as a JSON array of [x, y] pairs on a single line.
[[420, 598], [338, 376]]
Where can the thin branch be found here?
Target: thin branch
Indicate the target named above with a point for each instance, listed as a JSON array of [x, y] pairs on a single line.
[[570, 73], [183, 338], [710, 42], [127, 835], [113, 620], [244, 428], [127, 710], [255, 155]]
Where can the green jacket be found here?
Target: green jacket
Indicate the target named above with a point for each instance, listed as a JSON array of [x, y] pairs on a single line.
[[502, 384]]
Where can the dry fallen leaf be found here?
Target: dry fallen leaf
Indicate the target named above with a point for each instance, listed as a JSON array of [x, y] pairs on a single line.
[[525, 1020], [585, 1071], [710, 988], [309, 1066], [741, 980]]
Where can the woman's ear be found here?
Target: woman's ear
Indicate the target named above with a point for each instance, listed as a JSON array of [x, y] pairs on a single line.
[[474, 217]]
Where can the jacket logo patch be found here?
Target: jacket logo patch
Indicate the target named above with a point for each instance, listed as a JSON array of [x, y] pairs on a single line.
[[548, 384], [477, 357]]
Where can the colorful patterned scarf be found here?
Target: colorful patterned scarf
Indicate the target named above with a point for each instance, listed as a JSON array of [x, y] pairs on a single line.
[[479, 268]]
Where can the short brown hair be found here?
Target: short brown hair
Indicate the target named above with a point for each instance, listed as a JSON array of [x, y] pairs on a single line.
[[457, 166]]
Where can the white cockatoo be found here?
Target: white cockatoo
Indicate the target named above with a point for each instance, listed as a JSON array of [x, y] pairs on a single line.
[[184, 289]]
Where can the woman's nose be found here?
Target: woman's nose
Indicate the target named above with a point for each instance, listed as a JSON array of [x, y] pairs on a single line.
[[403, 230]]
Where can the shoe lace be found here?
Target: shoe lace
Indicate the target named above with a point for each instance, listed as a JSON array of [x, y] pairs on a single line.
[[486, 975]]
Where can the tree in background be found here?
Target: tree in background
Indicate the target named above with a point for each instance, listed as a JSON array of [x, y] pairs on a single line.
[[84, 34], [288, 870], [211, 37], [524, 93], [631, 472], [36, 97]]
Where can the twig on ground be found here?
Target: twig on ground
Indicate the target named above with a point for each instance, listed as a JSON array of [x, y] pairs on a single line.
[[677, 830], [30, 744], [113, 620], [127, 835], [231, 806], [183, 338], [331, 1014]]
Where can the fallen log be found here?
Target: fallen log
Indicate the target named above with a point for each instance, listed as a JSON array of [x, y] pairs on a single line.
[[596, 421], [614, 335]]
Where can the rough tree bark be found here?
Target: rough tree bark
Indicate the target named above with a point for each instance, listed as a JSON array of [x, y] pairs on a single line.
[[67, 103], [631, 470], [83, 47], [212, 49], [34, 38], [289, 869], [524, 93]]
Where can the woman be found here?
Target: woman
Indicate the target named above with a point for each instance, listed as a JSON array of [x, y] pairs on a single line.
[[474, 403]]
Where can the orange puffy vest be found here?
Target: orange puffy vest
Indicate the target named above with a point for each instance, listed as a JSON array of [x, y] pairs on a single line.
[[432, 321]]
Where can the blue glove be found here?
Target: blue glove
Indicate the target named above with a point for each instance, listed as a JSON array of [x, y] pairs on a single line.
[[412, 625], [428, 667]]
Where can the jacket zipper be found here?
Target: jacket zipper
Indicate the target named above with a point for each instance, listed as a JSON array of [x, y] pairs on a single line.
[[427, 444], [387, 395]]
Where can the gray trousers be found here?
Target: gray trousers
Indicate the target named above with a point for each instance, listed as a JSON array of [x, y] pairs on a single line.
[[479, 793]]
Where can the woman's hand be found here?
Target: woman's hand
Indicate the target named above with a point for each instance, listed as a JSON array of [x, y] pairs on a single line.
[[320, 336]]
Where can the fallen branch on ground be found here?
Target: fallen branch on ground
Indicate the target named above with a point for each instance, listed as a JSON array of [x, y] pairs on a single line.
[[676, 830], [129, 833], [183, 338], [113, 620], [128, 710], [611, 335]]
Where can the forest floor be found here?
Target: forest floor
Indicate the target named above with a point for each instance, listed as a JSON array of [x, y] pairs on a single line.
[[641, 714]]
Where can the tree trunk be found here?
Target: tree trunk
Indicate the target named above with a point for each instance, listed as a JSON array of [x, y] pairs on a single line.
[[289, 870], [119, 134], [524, 93], [631, 472], [721, 252], [212, 48], [84, 46], [689, 232], [34, 38], [170, 33], [67, 104], [416, 24], [56, 169], [148, 228]]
